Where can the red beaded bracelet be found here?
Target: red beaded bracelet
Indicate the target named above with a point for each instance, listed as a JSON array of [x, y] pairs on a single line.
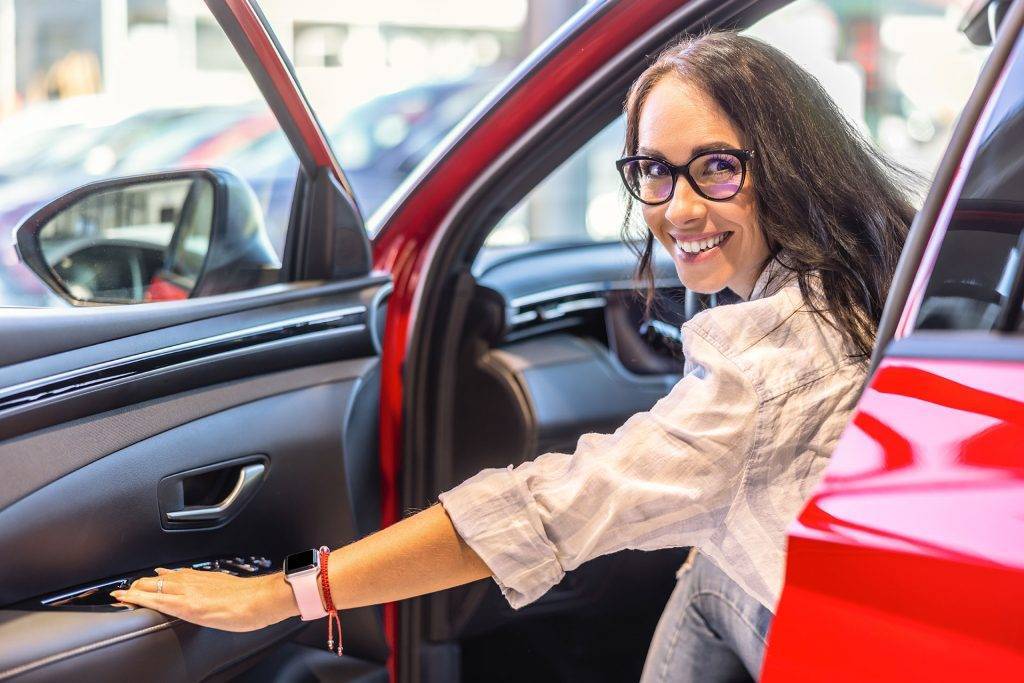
[[332, 611]]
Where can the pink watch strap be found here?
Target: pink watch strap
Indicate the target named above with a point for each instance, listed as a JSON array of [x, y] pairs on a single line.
[[306, 588]]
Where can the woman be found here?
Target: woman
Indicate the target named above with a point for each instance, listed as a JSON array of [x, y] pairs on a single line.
[[753, 181]]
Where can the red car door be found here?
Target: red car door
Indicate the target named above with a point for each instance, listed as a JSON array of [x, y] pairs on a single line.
[[908, 561]]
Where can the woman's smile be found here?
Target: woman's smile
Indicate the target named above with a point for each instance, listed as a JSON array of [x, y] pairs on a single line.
[[698, 248]]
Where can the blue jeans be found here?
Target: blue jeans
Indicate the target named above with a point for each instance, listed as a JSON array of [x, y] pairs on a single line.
[[710, 631]]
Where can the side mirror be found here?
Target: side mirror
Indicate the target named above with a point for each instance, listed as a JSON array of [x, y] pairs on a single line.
[[152, 237]]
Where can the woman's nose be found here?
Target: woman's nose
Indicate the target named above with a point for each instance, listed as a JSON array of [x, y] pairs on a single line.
[[686, 206]]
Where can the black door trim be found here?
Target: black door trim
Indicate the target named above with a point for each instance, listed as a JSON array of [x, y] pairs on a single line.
[[348, 319], [27, 334], [959, 345]]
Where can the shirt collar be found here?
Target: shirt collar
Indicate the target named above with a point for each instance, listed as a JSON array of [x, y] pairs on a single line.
[[773, 277]]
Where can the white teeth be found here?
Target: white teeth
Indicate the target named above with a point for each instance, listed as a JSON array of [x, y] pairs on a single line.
[[696, 246]]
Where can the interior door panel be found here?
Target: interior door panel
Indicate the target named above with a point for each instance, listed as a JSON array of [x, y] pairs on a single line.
[[327, 323], [299, 433], [100, 439]]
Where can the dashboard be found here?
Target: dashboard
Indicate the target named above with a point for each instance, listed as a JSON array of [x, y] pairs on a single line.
[[589, 288], [556, 345]]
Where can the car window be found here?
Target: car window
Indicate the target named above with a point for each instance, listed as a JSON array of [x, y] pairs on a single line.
[[971, 285], [389, 80], [94, 93], [900, 71]]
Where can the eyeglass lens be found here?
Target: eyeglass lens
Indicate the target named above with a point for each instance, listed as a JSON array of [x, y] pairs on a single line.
[[717, 175]]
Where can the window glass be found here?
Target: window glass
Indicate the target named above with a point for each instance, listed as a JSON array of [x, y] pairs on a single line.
[[388, 80], [900, 70], [980, 253], [96, 89], [146, 242]]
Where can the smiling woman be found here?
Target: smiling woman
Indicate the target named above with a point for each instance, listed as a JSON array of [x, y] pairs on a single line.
[[781, 202], [809, 164], [714, 241]]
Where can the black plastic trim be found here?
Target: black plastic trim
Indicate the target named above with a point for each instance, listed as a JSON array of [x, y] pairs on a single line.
[[326, 236], [104, 373], [1009, 315], [27, 334], [180, 373], [965, 345]]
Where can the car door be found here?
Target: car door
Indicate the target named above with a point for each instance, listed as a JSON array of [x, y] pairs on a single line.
[[222, 432], [907, 562]]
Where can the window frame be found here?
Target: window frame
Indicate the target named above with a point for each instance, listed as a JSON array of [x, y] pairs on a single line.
[[897, 333]]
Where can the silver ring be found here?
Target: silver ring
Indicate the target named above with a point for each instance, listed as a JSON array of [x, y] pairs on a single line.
[[159, 585]]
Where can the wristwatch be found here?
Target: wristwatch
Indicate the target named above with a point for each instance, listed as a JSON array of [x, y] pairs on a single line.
[[302, 571]]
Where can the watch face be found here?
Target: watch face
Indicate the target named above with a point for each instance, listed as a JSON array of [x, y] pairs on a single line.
[[298, 562]]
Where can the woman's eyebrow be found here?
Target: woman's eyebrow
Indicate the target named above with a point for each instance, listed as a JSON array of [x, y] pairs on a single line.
[[711, 147], [650, 152], [706, 147]]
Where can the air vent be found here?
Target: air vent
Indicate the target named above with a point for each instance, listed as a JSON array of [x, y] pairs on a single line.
[[554, 309]]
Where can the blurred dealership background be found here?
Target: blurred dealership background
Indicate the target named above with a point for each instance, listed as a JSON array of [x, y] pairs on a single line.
[[99, 88]]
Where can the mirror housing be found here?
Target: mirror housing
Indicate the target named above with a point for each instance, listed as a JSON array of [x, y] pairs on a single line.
[[239, 255], [982, 20]]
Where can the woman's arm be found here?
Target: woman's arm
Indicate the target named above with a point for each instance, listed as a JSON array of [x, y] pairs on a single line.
[[666, 478], [420, 554]]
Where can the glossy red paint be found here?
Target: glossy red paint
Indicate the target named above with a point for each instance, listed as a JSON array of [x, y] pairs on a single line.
[[404, 242], [907, 562], [273, 63]]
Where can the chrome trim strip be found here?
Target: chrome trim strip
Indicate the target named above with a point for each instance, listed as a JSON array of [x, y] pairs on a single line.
[[585, 288], [82, 649], [57, 599], [236, 335], [565, 308]]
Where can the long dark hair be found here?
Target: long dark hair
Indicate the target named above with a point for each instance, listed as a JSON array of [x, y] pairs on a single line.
[[825, 197]]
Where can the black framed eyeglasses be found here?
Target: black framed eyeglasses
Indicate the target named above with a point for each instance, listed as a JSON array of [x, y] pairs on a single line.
[[716, 175]]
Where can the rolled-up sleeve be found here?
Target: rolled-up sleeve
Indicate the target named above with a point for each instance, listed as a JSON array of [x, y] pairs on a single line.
[[666, 478]]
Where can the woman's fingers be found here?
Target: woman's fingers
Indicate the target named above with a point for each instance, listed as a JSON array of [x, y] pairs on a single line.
[[173, 605], [156, 584]]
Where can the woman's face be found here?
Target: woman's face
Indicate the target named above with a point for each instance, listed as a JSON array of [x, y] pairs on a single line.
[[676, 122]]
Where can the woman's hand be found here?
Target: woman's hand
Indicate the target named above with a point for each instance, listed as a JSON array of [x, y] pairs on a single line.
[[418, 555], [214, 599]]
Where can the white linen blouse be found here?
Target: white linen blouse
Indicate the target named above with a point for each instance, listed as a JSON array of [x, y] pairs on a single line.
[[724, 462]]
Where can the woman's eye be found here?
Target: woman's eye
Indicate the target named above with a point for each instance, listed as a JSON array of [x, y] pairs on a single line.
[[653, 169], [721, 165]]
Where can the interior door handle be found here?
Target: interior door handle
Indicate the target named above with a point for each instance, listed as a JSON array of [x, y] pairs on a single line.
[[248, 478]]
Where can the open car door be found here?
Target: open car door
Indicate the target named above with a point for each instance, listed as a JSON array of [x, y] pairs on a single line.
[[223, 432]]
